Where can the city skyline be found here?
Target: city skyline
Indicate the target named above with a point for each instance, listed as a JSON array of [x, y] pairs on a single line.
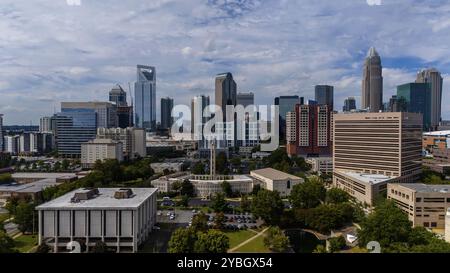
[[189, 49]]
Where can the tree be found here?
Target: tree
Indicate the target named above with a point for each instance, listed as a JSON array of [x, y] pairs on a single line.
[[256, 189], [268, 205], [200, 222], [99, 247], [308, 194], [218, 203], [336, 196], [184, 202], [320, 249], [226, 188], [245, 203], [324, 218], [199, 168], [187, 188], [219, 221], [276, 240], [6, 243], [222, 164], [212, 241], [182, 241], [43, 248], [336, 244], [386, 225], [24, 217], [5, 178]]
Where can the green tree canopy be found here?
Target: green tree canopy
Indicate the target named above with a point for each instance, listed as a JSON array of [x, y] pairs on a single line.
[[25, 218], [218, 203], [182, 241], [268, 205], [276, 240], [212, 241], [6, 243], [308, 194], [200, 222], [226, 188], [336, 196]]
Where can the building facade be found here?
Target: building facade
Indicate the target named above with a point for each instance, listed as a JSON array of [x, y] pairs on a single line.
[[166, 113], [434, 78], [73, 128], [133, 140], [425, 205], [145, 98], [121, 218], [324, 95], [100, 149], [416, 98], [226, 95], [45, 125], [118, 96], [1, 133], [373, 149], [285, 105], [106, 112], [349, 104], [274, 180], [309, 131], [372, 83]]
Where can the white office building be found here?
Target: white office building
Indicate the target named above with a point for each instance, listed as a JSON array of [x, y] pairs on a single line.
[[121, 218], [100, 149]]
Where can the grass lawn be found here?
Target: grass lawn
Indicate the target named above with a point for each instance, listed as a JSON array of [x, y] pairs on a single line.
[[237, 237], [254, 246], [3, 217], [24, 243]]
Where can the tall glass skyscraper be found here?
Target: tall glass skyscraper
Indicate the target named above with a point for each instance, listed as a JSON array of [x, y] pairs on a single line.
[[166, 113], [73, 127], [372, 83], [433, 77], [417, 99], [145, 97], [325, 95], [349, 104], [286, 104]]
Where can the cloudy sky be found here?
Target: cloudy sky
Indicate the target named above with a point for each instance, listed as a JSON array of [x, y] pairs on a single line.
[[51, 51]]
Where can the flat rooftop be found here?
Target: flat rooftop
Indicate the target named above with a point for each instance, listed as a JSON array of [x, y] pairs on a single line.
[[42, 175], [438, 133], [104, 200], [33, 187], [274, 174], [420, 187], [368, 178]]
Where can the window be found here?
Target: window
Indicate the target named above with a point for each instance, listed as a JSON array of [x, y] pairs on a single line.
[[433, 224], [289, 184], [426, 224], [418, 199], [448, 200]]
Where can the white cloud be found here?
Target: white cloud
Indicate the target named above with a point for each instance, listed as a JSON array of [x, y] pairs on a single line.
[[57, 52]]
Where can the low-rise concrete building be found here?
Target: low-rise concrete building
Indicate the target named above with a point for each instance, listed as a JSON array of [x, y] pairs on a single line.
[[100, 149], [274, 180], [426, 205], [121, 218], [321, 164], [171, 166]]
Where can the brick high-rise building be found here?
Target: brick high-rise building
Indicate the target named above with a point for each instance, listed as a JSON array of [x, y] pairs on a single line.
[[308, 131]]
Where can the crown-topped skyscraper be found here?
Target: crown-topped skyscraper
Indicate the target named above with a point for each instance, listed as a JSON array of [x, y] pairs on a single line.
[[372, 83]]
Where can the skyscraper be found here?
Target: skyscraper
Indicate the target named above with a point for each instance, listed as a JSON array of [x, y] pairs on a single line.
[[198, 120], [166, 113], [372, 83], [433, 77], [325, 95], [309, 131], [245, 99], [285, 104], [373, 149], [73, 127], [226, 94], [45, 125], [106, 111], [118, 96], [1, 132], [417, 99], [349, 104], [145, 97]]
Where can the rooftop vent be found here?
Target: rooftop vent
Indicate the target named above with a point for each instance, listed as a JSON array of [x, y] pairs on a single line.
[[85, 194], [123, 194]]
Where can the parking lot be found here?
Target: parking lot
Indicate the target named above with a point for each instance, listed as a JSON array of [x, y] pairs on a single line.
[[233, 221]]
